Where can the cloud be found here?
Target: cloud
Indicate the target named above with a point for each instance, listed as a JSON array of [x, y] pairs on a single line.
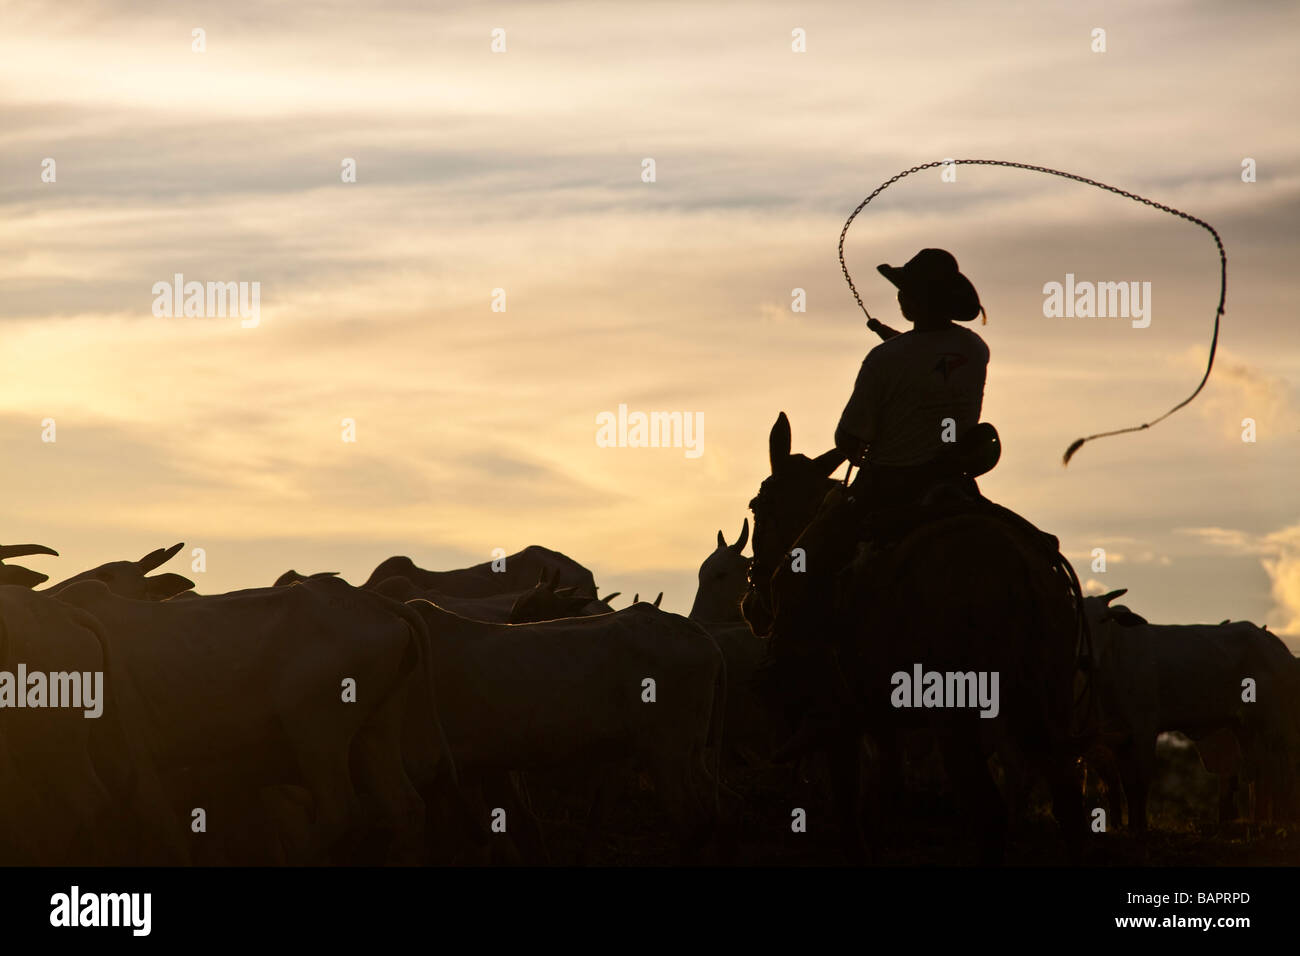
[[521, 171], [1279, 555]]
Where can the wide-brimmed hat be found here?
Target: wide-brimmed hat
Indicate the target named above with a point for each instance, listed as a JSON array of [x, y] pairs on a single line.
[[933, 278]]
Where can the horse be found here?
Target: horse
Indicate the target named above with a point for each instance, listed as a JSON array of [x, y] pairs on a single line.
[[965, 593]]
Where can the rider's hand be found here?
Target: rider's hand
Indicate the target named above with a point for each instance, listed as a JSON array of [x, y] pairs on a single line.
[[854, 449]]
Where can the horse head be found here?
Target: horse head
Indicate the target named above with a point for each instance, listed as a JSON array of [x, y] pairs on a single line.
[[786, 502]]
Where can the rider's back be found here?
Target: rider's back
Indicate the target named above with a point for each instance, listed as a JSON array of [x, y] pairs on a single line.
[[908, 385]]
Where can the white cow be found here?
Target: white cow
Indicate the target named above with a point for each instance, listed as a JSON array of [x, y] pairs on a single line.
[[131, 579], [1202, 680], [638, 685], [303, 686], [74, 789]]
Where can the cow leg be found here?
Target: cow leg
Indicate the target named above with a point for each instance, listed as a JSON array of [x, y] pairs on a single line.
[[1110, 776], [709, 793], [843, 760], [522, 841], [881, 788], [1018, 783], [1067, 805], [1229, 783], [326, 773], [609, 787], [531, 840], [1136, 767], [890, 754], [1101, 773], [968, 771], [397, 807], [679, 792]]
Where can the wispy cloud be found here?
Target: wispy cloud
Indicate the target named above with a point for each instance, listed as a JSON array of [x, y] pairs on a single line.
[[521, 171]]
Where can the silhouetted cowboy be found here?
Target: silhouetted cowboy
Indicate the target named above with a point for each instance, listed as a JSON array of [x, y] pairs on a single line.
[[919, 392]]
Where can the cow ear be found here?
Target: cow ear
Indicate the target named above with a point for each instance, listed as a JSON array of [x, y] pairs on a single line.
[[19, 576], [743, 540], [160, 587], [1107, 598], [778, 443]]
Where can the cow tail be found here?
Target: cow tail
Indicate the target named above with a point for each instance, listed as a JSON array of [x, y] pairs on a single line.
[[424, 644], [716, 727], [1085, 654], [143, 788]]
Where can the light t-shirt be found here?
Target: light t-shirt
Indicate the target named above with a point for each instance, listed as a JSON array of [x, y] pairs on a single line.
[[908, 385]]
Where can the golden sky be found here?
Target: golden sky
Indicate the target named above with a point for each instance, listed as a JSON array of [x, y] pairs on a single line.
[[521, 170]]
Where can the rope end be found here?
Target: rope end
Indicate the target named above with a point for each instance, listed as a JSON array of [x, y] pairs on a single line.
[[1069, 452]]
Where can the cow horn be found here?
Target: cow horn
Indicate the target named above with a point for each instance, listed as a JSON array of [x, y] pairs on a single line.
[[659, 598], [1107, 598], [22, 550], [156, 559], [636, 598], [743, 540], [609, 598], [722, 542]]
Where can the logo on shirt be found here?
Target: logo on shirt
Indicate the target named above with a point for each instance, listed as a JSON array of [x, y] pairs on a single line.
[[948, 363]]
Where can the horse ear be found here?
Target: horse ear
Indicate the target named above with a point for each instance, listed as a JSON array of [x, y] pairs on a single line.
[[778, 443], [828, 461], [1107, 598], [743, 540]]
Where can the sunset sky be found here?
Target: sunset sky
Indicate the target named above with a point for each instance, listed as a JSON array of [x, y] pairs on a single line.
[[522, 170]]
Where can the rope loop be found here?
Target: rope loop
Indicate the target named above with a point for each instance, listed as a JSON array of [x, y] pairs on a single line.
[[1223, 266]]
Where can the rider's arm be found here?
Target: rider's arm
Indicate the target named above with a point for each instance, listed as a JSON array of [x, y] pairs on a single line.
[[857, 427]]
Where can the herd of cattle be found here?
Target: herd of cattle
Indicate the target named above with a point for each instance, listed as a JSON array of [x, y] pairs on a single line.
[[408, 719]]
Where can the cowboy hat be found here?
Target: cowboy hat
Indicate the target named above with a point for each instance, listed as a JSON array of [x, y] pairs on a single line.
[[932, 277]]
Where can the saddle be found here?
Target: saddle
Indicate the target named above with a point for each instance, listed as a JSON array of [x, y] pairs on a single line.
[[946, 489]]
